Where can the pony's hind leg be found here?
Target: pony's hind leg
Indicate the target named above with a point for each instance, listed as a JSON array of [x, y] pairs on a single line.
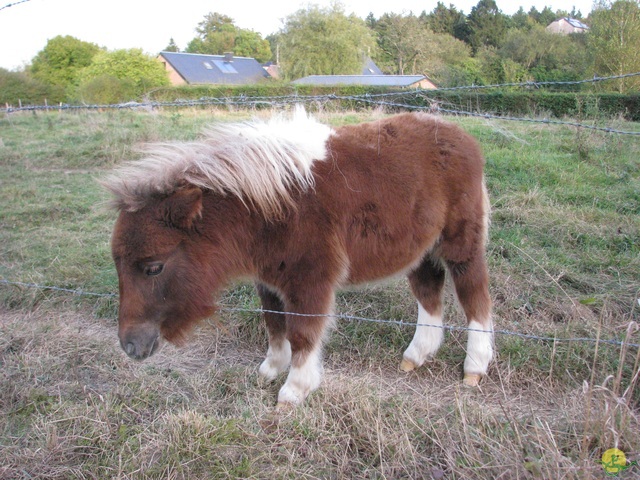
[[471, 281], [426, 283], [279, 351]]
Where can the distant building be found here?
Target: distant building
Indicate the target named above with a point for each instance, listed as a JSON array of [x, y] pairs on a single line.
[[398, 81], [566, 26], [272, 69], [200, 69], [370, 68]]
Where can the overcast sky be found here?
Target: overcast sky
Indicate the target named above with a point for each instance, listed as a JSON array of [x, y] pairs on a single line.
[[26, 27]]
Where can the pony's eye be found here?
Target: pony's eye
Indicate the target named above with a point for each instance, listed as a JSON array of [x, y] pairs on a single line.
[[153, 269]]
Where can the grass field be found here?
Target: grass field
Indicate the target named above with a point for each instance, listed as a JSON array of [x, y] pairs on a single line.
[[564, 257]]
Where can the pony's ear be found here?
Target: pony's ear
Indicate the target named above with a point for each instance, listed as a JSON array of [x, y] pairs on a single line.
[[183, 207]]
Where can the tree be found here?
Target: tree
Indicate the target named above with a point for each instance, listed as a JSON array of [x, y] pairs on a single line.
[[402, 40], [445, 20], [134, 71], [107, 89], [547, 16], [326, 41], [217, 34], [18, 87], [172, 47], [490, 66], [520, 19], [546, 56], [575, 14], [213, 22], [274, 47], [613, 38], [250, 44], [371, 21], [487, 24], [448, 61], [406, 45], [61, 61], [528, 48]]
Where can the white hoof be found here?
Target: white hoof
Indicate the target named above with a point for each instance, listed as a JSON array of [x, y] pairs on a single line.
[[407, 365], [471, 379]]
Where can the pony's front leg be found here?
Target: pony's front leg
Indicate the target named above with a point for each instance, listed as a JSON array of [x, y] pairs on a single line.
[[279, 351], [305, 333]]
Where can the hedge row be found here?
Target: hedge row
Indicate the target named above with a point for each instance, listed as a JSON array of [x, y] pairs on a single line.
[[521, 103], [541, 103]]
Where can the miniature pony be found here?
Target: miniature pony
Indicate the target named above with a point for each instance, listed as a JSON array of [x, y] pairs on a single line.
[[303, 209]]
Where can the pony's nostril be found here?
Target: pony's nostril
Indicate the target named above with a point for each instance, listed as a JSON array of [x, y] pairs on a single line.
[[130, 349]]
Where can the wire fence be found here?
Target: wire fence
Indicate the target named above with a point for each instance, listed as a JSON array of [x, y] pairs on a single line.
[[395, 100], [350, 318]]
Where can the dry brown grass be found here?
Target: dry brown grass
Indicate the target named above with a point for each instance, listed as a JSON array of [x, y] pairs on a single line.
[[73, 406]]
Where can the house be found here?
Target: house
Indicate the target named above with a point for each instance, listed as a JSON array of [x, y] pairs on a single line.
[[370, 68], [200, 69], [566, 26], [397, 81], [272, 69]]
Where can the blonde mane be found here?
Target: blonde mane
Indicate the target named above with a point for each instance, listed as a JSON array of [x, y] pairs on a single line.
[[259, 162]]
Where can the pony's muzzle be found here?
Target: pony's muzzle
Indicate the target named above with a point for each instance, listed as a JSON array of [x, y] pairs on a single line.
[[140, 343]]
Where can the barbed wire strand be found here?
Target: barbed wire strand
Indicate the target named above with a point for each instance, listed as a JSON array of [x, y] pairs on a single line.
[[78, 291], [351, 318], [13, 4]]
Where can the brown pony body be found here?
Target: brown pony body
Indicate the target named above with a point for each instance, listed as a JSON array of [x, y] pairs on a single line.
[[329, 209]]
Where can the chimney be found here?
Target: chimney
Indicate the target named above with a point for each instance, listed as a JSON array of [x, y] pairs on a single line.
[[228, 57]]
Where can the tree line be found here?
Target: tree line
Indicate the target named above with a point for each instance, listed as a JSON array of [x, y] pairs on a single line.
[[453, 49]]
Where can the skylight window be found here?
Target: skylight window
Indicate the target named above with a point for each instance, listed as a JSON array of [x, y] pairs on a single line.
[[207, 65], [225, 67]]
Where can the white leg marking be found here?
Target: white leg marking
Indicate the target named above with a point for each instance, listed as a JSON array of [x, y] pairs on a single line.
[[479, 351], [277, 361], [426, 341], [302, 380]]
